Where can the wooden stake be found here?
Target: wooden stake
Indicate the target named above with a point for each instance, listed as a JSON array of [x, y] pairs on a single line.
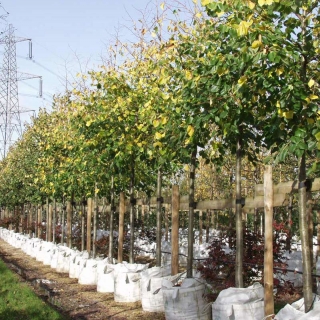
[[268, 243]]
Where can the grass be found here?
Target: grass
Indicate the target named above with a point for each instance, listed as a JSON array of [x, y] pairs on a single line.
[[19, 302]]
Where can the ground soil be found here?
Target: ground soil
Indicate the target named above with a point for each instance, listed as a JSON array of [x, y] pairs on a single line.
[[75, 301]]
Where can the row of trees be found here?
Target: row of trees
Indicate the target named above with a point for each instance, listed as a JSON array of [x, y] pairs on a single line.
[[240, 79]]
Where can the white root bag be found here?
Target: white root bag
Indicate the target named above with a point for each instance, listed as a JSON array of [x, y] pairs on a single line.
[[76, 264], [63, 263], [295, 311], [127, 282], [186, 302], [239, 304], [88, 274], [105, 281], [151, 280]]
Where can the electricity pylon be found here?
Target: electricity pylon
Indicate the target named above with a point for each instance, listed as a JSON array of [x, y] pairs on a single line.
[[10, 111]]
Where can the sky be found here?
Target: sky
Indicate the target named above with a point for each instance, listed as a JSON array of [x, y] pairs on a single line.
[[67, 36]]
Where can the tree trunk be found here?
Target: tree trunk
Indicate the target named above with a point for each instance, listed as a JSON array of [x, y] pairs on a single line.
[[175, 230], [159, 229], [303, 222], [200, 227], [289, 237], [132, 204], [239, 225], [54, 220], [268, 243], [191, 214], [122, 208], [39, 222], [62, 223], [89, 218], [47, 219], [50, 223], [83, 214], [95, 213], [69, 223], [111, 221]]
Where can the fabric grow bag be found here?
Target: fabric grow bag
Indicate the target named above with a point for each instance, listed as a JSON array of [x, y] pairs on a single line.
[[239, 304], [76, 264], [151, 280], [105, 276], [105, 281], [186, 302], [88, 274], [127, 282]]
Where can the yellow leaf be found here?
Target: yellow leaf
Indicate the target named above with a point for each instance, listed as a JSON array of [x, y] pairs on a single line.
[[199, 15], [190, 130], [311, 83], [278, 104], [220, 14], [188, 75], [242, 80], [256, 44], [157, 144], [162, 5], [164, 120], [263, 2], [313, 97], [158, 135], [279, 71], [288, 114], [206, 2], [251, 5], [318, 136], [243, 28], [156, 123], [310, 121]]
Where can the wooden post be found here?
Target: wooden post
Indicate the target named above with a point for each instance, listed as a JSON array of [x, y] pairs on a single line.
[[268, 243], [175, 230], [89, 218], [49, 230], [122, 208], [69, 224]]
